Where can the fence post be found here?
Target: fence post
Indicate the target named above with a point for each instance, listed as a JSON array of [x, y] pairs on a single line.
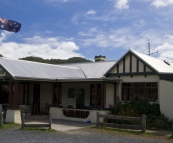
[[23, 120], [143, 123], [50, 121], [97, 119], [1, 119], [172, 127]]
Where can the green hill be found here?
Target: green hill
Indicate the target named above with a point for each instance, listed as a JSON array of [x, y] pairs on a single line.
[[55, 61]]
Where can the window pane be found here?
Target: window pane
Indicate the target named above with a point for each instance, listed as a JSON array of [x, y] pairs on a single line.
[[148, 84], [136, 84], [154, 84], [142, 84]]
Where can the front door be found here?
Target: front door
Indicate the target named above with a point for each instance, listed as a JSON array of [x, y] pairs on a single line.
[[36, 95], [80, 100]]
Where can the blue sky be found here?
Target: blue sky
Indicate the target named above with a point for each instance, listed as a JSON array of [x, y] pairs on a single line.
[[61, 29]]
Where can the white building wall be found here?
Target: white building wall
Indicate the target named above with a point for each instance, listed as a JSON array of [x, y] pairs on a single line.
[[45, 96], [109, 94], [134, 63], [121, 66], [166, 98], [141, 67], [72, 101], [127, 63]]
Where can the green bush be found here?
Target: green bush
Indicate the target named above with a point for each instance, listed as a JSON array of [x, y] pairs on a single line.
[[154, 118]]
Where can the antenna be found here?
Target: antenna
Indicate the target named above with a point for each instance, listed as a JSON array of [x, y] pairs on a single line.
[[148, 47], [149, 52]]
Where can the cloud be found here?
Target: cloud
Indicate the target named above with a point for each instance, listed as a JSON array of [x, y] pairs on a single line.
[[122, 4], [91, 12], [48, 48], [162, 3]]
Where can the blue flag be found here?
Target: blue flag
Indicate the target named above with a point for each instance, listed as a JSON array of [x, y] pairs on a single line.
[[9, 25]]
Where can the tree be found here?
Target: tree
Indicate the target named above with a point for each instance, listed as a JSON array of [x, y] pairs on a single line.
[[1, 55]]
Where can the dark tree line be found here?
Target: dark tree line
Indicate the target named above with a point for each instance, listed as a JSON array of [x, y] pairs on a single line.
[[55, 61]]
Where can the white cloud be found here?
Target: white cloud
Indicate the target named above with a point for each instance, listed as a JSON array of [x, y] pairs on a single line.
[[122, 4], [91, 12], [162, 3], [48, 48]]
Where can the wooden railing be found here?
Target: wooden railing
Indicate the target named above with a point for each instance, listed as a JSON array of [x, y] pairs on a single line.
[[74, 113], [37, 119], [123, 118]]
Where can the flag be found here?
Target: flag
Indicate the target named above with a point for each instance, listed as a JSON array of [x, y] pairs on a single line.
[[9, 25]]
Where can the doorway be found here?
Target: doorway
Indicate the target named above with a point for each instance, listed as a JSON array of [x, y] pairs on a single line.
[[80, 100]]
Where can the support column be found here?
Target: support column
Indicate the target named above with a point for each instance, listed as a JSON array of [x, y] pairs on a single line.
[[16, 88], [58, 94], [96, 96], [24, 93], [27, 94], [115, 93], [53, 94], [11, 94], [102, 95]]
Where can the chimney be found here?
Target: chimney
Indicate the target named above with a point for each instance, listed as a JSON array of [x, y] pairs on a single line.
[[100, 58]]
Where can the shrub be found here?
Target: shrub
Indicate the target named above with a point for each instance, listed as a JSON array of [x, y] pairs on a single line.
[[155, 120]]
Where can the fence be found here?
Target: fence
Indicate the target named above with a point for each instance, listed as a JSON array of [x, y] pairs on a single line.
[[125, 118], [35, 118]]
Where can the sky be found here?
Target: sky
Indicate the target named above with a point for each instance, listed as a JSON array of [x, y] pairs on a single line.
[[61, 29]]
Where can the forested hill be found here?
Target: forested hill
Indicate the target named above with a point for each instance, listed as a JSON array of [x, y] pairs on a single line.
[[55, 61]]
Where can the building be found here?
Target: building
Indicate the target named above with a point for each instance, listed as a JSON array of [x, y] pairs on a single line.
[[78, 91]]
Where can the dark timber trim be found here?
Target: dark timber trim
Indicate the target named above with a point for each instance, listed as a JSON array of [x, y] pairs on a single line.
[[96, 95], [124, 65], [117, 68], [131, 74], [102, 95], [115, 93], [130, 62]]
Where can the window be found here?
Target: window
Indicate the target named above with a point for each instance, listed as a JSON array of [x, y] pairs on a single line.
[[140, 90], [92, 94]]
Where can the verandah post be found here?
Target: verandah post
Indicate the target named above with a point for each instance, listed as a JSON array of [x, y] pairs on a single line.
[[50, 121], [23, 119], [143, 123]]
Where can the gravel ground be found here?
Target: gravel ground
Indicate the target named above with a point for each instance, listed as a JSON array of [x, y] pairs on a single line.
[[85, 135]]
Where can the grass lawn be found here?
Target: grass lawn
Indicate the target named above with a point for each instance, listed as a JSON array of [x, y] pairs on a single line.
[[9, 125], [131, 133]]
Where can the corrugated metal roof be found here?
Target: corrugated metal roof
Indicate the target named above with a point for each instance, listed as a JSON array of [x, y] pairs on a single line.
[[158, 65], [93, 69], [34, 70]]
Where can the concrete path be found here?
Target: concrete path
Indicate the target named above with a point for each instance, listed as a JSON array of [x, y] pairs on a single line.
[[65, 125]]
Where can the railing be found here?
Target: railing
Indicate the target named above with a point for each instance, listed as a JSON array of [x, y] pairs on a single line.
[[125, 118], [37, 119], [73, 113]]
